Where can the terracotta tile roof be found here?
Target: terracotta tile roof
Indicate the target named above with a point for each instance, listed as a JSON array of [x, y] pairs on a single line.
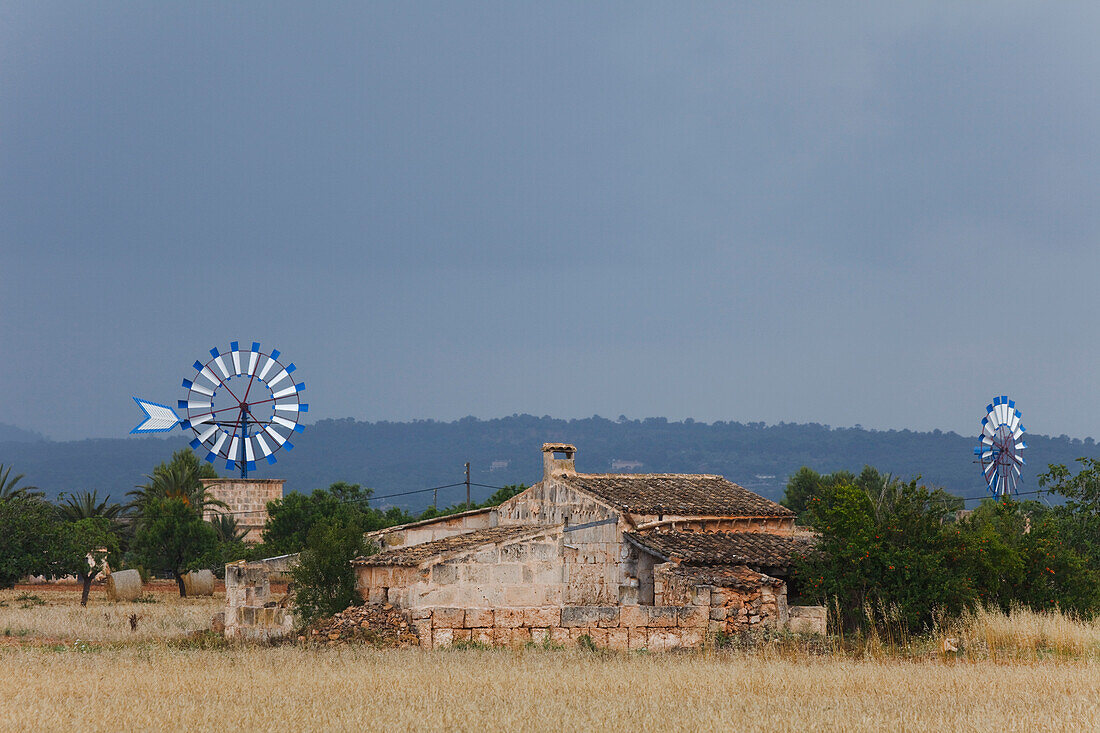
[[681, 494], [755, 549], [740, 577], [413, 555]]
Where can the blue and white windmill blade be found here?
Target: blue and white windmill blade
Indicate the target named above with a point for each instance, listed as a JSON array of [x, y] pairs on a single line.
[[1014, 419], [235, 353], [267, 367], [158, 418]]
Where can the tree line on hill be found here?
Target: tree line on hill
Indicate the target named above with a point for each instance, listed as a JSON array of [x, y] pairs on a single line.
[[398, 456]]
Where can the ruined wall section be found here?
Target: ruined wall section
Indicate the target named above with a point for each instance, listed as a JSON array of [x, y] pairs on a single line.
[[523, 572], [251, 611], [653, 628], [436, 529], [733, 609]]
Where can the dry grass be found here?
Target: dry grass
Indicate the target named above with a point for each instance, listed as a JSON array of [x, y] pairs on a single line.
[[1024, 672], [1029, 633], [57, 615], [291, 688]]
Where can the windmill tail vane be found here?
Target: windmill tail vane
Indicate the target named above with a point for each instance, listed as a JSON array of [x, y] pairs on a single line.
[[240, 406], [1000, 447]]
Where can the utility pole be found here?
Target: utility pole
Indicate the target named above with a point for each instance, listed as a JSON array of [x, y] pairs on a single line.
[[467, 485]]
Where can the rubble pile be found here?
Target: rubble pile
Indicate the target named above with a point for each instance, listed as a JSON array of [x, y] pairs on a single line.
[[375, 624]]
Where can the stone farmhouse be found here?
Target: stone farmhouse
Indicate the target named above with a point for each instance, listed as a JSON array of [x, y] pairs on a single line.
[[651, 561]]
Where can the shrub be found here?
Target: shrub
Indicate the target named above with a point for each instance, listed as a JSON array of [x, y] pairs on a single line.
[[324, 578]]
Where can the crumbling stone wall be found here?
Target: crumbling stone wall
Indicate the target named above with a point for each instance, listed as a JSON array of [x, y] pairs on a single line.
[[523, 572], [733, 609], [434, 529], [687, 615], [808, 620], [251, 611]]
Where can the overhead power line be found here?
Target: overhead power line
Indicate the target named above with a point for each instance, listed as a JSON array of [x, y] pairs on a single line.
[[368, 499]]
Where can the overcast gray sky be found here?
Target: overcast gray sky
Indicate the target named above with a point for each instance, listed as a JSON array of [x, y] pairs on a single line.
[[882, 214]]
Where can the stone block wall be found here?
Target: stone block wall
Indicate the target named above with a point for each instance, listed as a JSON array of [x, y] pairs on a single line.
[[594, 565], [550, 503], [251, 611], [709, 610], [613, 627]]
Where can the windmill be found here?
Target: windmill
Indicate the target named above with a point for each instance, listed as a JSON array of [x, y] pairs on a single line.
[[240, 405], [1001, 445]]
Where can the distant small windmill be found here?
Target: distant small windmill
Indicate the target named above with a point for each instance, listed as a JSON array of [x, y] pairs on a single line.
[[1001, 444]]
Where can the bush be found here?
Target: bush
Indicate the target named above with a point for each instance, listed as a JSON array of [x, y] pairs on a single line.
[[324, 579]]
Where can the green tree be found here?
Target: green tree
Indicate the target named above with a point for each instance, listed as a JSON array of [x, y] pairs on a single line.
[[1080, 514], [30, 538], [86, 544], [324, 577], [1017, 554], [503, 494], [884, 554], [173, 538], [290, 519], [807, 483], [9, 487], [230, 541]]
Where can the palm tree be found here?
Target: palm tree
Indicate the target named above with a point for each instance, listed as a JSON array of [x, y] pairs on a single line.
[[180, 479], [86, 505], [225, 525], [8, 489]]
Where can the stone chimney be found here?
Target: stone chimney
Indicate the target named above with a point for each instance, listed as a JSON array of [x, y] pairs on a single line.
[[557, 460]]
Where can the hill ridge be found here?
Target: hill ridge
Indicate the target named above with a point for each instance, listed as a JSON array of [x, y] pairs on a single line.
[[397, 456]]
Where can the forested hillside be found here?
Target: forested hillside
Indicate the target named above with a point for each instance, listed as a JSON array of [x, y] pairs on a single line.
[[392, 457]]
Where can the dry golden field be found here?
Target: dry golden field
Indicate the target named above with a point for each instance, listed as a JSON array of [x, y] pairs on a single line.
[[53, 613], [1043, 674]]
